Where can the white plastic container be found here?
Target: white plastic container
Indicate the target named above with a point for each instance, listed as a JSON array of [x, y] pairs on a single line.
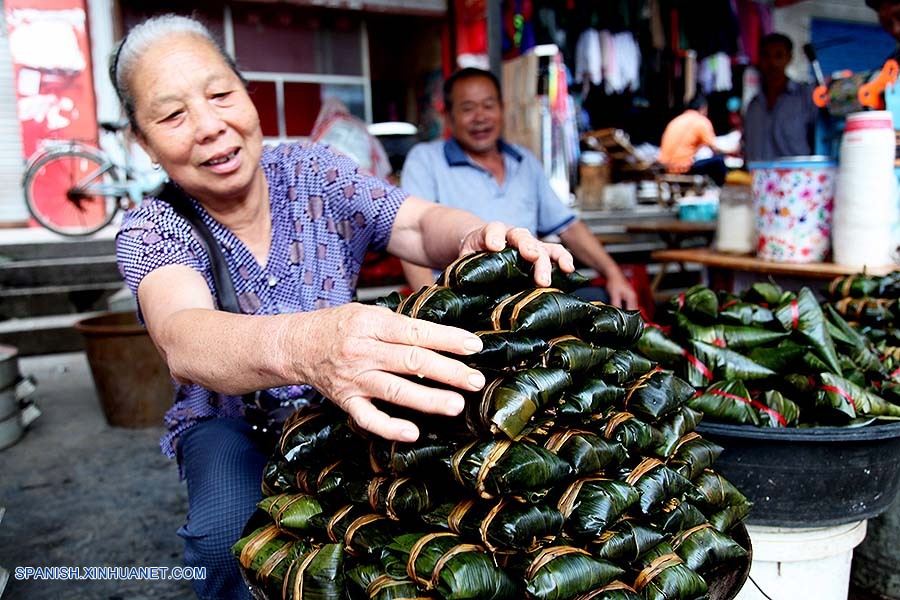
[[865, 201], [736, 227], [789, 564]]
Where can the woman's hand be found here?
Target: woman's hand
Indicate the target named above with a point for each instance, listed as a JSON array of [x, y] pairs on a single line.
[[362, 352], [495, 236]]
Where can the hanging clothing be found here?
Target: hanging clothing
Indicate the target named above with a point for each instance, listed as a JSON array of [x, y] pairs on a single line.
[[589, 58], [715, 73]]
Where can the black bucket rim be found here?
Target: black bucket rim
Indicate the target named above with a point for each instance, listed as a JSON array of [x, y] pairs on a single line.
[[874, 431]]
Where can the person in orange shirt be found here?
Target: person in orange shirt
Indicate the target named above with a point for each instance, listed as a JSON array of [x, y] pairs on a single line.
[[684, 136]]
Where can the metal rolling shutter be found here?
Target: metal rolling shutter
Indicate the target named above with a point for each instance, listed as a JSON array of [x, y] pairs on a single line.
[[12, 163]]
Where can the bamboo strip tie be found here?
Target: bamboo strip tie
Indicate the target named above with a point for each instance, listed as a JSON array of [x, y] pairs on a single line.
[[639, 383], [689, 437], [299, 422], [566, 502], [445, 558], [681, 537], [301, 571], [423, 298], [615, 421], [273, 561], [454, 519], [416, 550], [456, 461], [657, 566], [372, 490], [392, 493], [556, 441], [486, 524], [354, 527], [555, 342], [612, 587], [549, 554], [252, 548], [335, 518], [645, 466], [490, 461], [456, 265], [292, 499]]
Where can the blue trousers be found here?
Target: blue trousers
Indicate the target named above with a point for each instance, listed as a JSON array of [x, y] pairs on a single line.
[[222, 461]]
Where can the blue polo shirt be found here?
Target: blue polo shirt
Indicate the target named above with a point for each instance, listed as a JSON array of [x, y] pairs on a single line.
[[783, 130], [441, 171]]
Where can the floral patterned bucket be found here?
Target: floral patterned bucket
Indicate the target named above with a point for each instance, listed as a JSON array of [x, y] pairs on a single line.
[[793, 200]]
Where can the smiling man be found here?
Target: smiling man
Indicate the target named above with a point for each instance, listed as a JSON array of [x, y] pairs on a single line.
[[476, 170]]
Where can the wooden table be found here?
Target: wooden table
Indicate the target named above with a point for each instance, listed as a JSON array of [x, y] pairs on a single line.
[[721, 267], [674, 232]]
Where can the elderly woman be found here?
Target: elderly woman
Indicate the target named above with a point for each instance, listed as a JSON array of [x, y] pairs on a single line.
[[293, 224]]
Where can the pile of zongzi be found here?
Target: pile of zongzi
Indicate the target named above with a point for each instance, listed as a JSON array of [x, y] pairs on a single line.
[[770, 357], [575, 473]]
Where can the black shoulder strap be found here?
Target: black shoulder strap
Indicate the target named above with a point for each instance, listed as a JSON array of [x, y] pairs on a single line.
[[221, 279]]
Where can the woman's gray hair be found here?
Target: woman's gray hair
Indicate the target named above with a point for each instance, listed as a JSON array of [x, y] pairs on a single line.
[[145, 35]]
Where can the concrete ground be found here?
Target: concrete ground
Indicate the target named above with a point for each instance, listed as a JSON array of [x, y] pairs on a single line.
[[79, 493]]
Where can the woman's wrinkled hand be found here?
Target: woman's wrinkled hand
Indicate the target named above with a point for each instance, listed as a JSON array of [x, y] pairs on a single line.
[[495, 236], [366, 352]]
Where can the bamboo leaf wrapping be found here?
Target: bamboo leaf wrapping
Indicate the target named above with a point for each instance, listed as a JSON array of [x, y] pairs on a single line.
[[703, 547], [727, 401], [316, 575], [693, 454], [804, 315], [625, 541], [573, 355], [454, 569], [541, 309], [508, 403], [443, 305], [727, 364], [678, 516], [749, 314], [623, 366], [657, 346], [506, 349], [657, 394], [675, 426], [852, 400], [585, 452], [291, 511], [591, 396], [561, 572], [505, 525], [656, 484], [591, 505], [607, 325], [613, 591], [502, 467], [698, 303], [667, 577]]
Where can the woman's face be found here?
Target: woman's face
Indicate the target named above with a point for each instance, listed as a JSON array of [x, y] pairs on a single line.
[[196, 119]]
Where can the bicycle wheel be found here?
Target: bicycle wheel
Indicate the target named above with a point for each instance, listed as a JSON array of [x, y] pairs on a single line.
[[64, 191]]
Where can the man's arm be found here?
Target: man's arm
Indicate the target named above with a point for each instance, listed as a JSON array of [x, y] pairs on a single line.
[[418, 179], [416, 276], [586, 248]]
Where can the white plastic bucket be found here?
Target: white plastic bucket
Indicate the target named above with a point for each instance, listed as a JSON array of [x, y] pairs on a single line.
[[793, 563], [793, 198], [865, 202]]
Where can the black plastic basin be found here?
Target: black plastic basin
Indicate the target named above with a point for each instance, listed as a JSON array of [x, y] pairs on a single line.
[[810, 477]]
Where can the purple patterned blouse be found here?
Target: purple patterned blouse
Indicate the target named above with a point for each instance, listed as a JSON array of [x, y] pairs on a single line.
[[325, 215]]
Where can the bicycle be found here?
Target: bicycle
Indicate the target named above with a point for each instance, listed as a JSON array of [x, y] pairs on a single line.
[[75, 189]]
